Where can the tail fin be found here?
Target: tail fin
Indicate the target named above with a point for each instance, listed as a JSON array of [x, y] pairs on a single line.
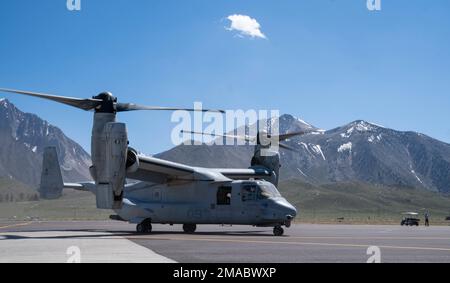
[[51, 179]]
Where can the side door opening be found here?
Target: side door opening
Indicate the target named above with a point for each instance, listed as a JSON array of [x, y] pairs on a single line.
[[224, 211], [224, 195]]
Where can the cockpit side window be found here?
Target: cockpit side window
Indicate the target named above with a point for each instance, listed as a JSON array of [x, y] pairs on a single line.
[[224, 196], [263, 195], [249, 192]]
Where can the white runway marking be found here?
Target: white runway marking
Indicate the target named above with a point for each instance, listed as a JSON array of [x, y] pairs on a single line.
[[221, 239], [54, 247]]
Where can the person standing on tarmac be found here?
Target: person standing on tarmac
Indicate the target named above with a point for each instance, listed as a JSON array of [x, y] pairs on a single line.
[[427, 221]]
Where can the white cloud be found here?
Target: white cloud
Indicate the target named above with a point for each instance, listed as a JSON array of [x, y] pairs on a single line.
[[245, 25]]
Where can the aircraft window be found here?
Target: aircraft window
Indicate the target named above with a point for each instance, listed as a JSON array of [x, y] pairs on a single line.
[[268, 191], [224, 196], [249, 192]]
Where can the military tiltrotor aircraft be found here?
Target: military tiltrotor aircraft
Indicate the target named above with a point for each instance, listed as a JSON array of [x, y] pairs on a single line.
[[166, 192]]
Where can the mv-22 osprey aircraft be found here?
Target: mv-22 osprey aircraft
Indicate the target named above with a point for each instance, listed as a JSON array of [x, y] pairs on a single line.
[[167, 192]]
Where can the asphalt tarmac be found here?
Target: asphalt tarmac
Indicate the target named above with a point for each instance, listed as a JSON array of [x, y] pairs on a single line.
[[24, 242]]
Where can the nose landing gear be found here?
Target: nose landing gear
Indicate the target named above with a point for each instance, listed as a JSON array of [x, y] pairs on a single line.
[[278, 231], [287, 224]]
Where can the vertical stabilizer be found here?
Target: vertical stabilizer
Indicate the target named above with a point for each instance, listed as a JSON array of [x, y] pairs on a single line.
[[51, 179]]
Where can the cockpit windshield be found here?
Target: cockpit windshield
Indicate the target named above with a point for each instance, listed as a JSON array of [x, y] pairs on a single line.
[[254, 191], [269, 191]]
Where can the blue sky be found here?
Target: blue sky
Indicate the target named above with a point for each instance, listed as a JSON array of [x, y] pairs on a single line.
[[327, 61]]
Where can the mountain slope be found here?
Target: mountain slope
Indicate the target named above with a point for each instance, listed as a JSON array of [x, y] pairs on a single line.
[[24, 136], [373, 154], [359, 151], [363, 203], [228, 156]]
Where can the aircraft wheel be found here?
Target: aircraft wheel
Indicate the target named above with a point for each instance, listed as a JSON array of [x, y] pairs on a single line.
[[148, 228], [278, 231], [140, 229], [189, 228], [144, 227]]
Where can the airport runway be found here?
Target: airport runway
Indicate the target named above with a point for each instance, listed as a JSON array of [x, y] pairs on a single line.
[[116, 241]]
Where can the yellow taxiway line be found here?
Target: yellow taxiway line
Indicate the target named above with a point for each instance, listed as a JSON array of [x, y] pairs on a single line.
[[371, 238], [15, 225], [234, 240]]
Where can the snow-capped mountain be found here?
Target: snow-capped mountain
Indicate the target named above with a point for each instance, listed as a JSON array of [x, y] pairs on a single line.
[[24, 136], [360, 151], [370, 153]]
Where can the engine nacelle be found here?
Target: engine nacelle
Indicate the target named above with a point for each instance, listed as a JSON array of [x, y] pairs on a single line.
[[269, 161], [110, 166]]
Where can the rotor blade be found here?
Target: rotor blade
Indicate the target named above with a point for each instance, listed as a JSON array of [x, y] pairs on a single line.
[[121, 107], [247, 139], [85, 104], [284, 146], [288, 135]]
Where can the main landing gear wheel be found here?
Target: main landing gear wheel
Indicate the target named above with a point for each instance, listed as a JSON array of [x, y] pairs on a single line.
[[144, 227], [189, 228], [278, 231]]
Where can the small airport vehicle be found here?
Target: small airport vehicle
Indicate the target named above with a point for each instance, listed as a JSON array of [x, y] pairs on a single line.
[[410, 219], [167, 192]]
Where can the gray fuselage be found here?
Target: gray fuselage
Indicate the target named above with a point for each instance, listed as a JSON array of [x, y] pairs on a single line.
[[237, 202]]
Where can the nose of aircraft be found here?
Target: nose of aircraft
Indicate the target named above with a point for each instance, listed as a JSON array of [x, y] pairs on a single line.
[[288, 209]]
